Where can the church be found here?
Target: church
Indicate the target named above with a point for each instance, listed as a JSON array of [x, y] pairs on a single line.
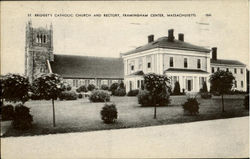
[[75, 70], [189, 64]]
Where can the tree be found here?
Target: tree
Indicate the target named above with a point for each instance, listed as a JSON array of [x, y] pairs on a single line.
[[14, 88], [221, 82], [177, 89], [49, 86], [156, 85]]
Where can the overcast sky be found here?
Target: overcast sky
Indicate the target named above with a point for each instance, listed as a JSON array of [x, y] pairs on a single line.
[[225, 27]]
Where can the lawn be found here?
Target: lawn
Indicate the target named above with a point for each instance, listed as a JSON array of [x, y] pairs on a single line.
[[81, 115]]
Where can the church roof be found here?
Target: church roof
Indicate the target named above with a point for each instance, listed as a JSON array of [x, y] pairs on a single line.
[[71, 66], [226, 62], [163, 42]]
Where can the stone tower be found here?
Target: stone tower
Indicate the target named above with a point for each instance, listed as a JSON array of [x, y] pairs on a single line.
[[38, 50]]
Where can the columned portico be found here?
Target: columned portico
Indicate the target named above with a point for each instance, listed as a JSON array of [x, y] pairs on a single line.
[[189, 82]]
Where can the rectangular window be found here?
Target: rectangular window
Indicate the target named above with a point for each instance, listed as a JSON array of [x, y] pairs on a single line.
[[185, 63], [242, 84], [132, 67], [227, 69], [199, 63], [138, 83], [171, 62], [212, 69], [241, 71], [235, 70], [149, 65]]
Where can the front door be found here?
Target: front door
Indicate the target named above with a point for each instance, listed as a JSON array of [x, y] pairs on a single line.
[[189, 85]]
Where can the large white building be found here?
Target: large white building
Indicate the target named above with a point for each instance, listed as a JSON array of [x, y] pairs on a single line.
[[181, 61], [237, 68]]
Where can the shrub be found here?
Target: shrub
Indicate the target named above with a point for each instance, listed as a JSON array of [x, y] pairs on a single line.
[[145, 99], [191, 106], [246, 102], [99, 96], [68, 95], [109, 113], [22, 118], [113, 87], [133, 92], [121, 85], [7, 112], [204, 88], [104, 87], [206, 95], [120, 92], [81, 89], [91, 87], [177, 89], [80, 95]]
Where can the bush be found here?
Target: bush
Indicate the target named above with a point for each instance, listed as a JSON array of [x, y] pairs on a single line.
[[104, 87], [91, 87], [145, 99], [68, 95], [99, 96], [204, 88], [133, 92], [81, 89], [22, 118], [177, 89], [80, 95], [109, 113], [113, 87], [191, 106], [121, 85], [206, 95], [7, 112], [246, 102], [120, 92]]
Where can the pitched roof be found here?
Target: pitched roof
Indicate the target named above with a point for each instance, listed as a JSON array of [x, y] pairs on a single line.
[[184, 70], [71, 66], [226, 62], [163, 42]]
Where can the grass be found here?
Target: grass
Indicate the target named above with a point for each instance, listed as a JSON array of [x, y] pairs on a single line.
[[81, 115]]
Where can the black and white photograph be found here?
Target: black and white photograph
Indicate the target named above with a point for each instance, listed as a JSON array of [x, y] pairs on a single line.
[[124, 79]]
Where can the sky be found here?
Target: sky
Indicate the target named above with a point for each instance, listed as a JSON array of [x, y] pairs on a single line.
[[221, 24]]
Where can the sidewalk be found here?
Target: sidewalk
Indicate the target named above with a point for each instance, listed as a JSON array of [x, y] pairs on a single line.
[[215, 138]]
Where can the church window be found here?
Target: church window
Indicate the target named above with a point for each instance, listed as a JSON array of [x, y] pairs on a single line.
[[171, 62]]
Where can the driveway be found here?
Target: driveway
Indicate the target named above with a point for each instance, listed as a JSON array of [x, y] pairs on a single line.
[[215, 138]]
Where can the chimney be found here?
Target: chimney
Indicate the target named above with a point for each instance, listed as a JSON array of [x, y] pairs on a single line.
[[214, 53], [181, 37], [150, 38], [171, 35]]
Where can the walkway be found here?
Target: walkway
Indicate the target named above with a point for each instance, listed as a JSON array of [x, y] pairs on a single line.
[[214, 138]]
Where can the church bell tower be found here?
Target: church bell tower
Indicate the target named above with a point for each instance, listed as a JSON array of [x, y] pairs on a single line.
[[38, 50]]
